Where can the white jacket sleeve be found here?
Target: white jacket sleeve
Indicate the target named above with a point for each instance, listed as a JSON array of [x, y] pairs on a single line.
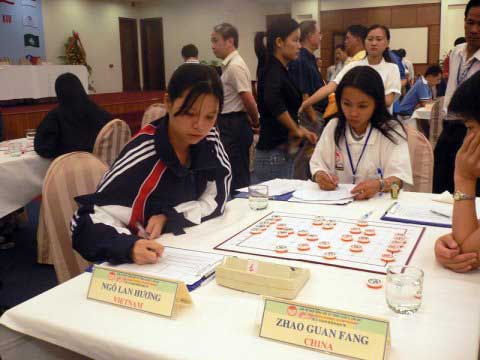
[[323, 157]]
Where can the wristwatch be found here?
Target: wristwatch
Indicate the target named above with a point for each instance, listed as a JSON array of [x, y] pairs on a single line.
[[458, 196]]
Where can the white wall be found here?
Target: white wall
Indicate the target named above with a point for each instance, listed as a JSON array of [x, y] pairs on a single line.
[[354, 4], [453, 14], [192, 21], [97, 23], [305, 7]]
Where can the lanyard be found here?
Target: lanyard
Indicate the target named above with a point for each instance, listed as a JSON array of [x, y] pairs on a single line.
[[354, 169], [462, 75]]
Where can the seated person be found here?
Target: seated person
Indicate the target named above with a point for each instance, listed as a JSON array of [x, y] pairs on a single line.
[[460, 250], [173, 174], [364, 145], [421, 92], [74, 124]]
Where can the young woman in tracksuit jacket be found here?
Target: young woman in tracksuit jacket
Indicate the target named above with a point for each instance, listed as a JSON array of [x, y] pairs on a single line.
[[173, 174]]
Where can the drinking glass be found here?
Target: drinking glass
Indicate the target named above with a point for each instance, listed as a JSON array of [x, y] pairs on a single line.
[[258, 197], [404, 288]]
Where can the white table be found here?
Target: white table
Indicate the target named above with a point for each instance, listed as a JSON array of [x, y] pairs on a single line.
[[222, 322], [21, 178], [35, 81], [422, 113]]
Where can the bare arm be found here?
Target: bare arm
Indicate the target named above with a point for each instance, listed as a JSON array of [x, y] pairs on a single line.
[[467, 169], [389, 98], [312, 116], [251, 107], [319, 95]]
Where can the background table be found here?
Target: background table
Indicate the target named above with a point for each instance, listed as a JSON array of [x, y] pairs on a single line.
[[221, 324], [21, 178], [422, 118], [35, 81]]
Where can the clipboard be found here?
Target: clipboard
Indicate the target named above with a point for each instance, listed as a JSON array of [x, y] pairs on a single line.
[[407, 214]]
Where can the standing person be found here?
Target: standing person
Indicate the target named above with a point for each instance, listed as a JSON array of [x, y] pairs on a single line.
[[363, 141], [340, 59], [278, 101], [240, 110], [464, 62], [190, 54], [378, 57], [355, 43], [74, 124], [304, 70]]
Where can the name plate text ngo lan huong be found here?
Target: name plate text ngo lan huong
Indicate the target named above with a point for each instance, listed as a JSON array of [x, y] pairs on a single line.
[[332, 331], [137, 291]]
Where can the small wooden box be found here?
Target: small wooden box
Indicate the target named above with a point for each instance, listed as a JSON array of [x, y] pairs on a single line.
[[261, 277]]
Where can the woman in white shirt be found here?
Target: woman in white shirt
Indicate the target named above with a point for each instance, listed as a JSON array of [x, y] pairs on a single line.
[[376, 45], [364, 146]]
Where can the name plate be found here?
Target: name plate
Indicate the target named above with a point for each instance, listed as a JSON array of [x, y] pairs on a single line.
[[332, 331], [136, 291]]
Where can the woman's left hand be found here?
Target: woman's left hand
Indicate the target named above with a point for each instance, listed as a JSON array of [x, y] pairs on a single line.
[[366, 189], [155, 225]]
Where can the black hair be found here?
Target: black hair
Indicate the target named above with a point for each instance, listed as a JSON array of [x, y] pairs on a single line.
[[471, 4], [340, 46], [433, 70], [280, 28], [369, 81], [402, 53], [459, 40], [465, 102], [306, 28], [386, 52], [227, 31], [199, 80], [189, 51], [358, 31]]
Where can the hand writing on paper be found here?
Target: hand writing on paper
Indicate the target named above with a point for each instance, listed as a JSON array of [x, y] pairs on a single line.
[[155, 225], [146, 252], [366, 189], [448, 254], [326, 181]]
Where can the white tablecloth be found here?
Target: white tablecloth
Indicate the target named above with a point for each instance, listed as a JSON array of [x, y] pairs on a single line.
[[422, 113], [21, 178], [221, 324], [35, 82]]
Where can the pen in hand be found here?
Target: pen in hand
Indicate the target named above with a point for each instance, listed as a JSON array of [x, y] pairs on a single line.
[[142, 232]]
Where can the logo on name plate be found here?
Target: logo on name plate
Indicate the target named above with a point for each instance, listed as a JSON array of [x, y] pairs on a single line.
[[292, 310]]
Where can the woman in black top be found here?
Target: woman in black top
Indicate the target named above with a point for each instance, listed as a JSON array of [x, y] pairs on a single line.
[[74, 124], [278, 101]]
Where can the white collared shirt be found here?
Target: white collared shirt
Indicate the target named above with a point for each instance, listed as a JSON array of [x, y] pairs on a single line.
[[460, 70], [236, 79], [388, 72], [380, 153]]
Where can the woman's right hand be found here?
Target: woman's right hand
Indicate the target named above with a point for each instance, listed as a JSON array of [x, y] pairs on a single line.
[[146, 252], [326, 181]]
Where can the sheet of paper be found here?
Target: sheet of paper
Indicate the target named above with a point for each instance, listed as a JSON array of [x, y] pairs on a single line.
[[278, 187], [178, 264], [447, 209], [419, 214], [325, 202], [311, 192]]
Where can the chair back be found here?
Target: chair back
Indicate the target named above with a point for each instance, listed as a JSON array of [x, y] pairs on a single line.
[[436, 121], [421, 157], [70, 175], [110, 141], [153, 112]]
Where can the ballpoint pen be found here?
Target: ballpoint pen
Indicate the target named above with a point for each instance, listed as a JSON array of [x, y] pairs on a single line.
[[366, 215], [142, 232]]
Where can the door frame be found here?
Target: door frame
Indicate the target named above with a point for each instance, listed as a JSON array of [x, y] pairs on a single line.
[[144, 53]]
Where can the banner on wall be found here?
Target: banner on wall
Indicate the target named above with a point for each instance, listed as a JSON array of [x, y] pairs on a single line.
[[7, 19], [32, 3], [30, 21], [31, 40]]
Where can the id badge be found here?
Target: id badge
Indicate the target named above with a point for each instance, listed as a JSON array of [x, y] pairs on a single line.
[[339, 164]]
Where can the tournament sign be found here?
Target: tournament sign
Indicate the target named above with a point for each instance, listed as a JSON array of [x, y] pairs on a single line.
[[327, 330]]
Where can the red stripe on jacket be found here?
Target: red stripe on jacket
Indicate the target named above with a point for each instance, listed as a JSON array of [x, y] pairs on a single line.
[[149, 184]]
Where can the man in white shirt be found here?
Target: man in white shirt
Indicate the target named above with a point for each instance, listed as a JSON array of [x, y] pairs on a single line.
[[190, 54], [464, 62], [239, 112]]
